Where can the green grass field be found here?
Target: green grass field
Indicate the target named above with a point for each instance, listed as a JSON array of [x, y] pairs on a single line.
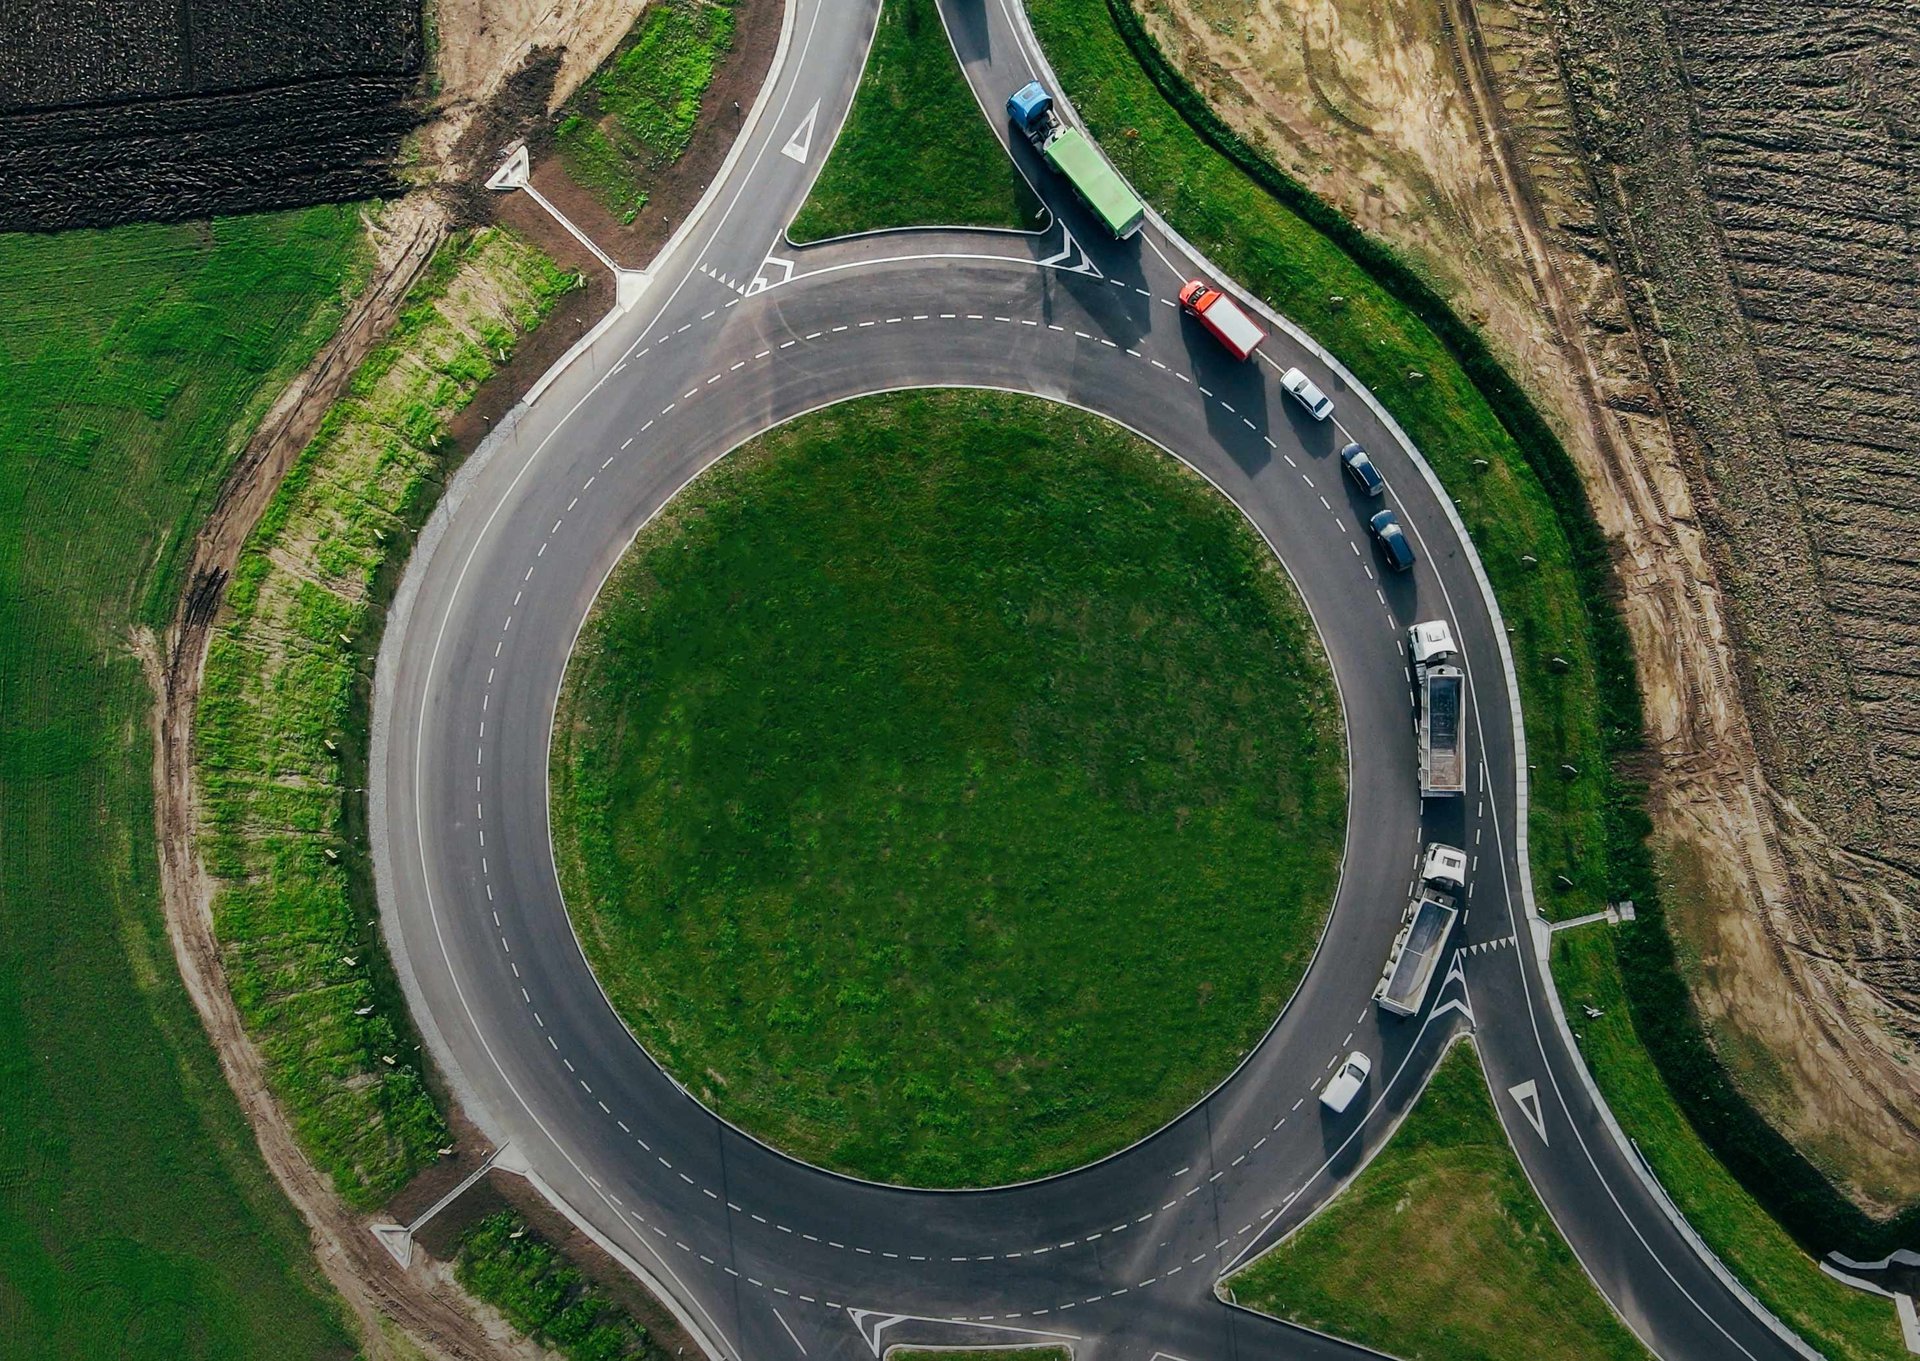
[[1844, 1323], [278, 741], [1439, 1250], [504, 1262], [1300, 272], [949, 788], [915, 150], [136, 1218], [636, 114]]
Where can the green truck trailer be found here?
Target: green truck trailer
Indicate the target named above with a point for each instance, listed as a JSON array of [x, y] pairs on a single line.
[[1077, 160]]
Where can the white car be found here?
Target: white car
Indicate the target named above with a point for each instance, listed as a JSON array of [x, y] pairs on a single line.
[[1344, 1085], [1300, 387]]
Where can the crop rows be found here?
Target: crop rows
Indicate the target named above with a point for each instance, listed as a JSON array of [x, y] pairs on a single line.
[[282, 682], [117, 111], [1807, 116]]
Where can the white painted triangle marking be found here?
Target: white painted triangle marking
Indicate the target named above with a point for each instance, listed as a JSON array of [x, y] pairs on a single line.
[[513, 172], [881, 1323], [1527, 1097], [801, 142], [1068, 246]]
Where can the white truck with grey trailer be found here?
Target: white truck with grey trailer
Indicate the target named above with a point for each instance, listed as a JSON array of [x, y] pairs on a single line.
[[1440, 712], [1424, 930]]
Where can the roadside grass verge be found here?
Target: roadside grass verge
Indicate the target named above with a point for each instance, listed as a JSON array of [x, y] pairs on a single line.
[[274, 732], [1439, 1250], [1512, 515], [1843, 1323], [638, 111], [915, 150], [1588, 825], [949, 787], [505, 1262], [136, 1216]]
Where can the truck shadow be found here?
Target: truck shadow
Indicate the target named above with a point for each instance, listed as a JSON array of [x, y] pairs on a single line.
[[1108, 304], [1237, 413], [972, 37]]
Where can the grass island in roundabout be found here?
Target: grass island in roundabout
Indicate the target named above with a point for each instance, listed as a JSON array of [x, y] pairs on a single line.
[[948, 788]]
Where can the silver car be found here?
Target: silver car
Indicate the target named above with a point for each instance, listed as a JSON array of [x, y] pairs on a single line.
[[1301, 388]]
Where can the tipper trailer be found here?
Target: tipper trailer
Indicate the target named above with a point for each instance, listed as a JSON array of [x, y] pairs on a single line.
[[1422, 939], [1072, 156], [1221, 315], [1440, 718]]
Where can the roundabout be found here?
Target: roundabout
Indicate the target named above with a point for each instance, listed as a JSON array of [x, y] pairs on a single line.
[[761, 1254], [948, 788]]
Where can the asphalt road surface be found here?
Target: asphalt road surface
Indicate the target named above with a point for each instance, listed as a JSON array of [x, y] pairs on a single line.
[[762, 1256]]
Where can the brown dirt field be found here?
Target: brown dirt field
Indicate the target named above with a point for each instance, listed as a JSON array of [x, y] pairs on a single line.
[[672, 190], [503, 64], [483, 42], [1463, 133], [1775, 259]]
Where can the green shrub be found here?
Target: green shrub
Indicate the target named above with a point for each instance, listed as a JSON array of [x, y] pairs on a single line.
[[504, 1262]]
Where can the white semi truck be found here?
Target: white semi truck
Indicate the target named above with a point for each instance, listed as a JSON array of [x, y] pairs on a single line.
[[1440, 711], [1422, 939]]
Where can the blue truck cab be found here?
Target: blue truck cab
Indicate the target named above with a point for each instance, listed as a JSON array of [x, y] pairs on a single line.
[[1031, 109]]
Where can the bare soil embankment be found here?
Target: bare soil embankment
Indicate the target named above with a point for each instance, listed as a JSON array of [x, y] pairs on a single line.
[[1565, 207], [1761, 194]]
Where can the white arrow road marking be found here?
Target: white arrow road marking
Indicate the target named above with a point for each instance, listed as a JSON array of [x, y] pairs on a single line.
[[1527, 1097], [1461, 1003], [801, 142]]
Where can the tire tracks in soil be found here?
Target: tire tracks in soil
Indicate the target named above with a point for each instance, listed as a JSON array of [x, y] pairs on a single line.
[[1660, 559]]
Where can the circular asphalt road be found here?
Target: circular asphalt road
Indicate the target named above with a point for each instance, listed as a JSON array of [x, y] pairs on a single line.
[[760, 1255]]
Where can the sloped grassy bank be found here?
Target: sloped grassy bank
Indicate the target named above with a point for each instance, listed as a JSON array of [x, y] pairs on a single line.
[[280, 729]]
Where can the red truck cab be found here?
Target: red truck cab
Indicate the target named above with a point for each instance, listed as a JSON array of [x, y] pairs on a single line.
[[1221, 315]]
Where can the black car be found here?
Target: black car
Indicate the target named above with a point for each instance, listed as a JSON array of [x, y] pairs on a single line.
[[1392, 539], [1360, 468]]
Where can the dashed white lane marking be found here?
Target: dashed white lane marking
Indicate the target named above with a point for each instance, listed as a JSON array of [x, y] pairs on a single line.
[[505, 946]]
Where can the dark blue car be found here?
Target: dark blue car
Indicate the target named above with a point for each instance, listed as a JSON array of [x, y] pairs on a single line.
[[1392, 539], [1360, 468]]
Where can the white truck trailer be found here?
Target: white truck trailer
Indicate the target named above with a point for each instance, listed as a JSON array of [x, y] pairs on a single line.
[[1422, 940], [1440, 713]]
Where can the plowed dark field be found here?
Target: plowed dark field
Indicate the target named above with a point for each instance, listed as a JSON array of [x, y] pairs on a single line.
[[1763, 161], [124, 110]]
